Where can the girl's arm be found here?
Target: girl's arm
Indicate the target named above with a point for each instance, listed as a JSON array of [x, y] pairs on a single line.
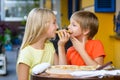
[[56, 59], [62, 55], [23, 71], [64, 37]]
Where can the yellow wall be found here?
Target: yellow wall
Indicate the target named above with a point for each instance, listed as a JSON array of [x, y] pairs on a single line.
[[87, 3], [48, 4], [117, 53], [104, 33], [64, 13], [107, 35]]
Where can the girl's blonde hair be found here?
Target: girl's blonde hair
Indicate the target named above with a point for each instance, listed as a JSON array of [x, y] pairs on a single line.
[[36, 25], [87, 21]]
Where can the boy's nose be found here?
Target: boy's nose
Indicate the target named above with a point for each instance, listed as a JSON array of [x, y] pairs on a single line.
[[68, 26]]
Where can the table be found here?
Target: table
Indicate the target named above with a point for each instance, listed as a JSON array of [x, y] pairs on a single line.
[[45, 76]]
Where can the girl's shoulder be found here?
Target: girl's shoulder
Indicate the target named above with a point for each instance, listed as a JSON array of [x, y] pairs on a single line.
[[48, 42], [25, 50], [49, 46]]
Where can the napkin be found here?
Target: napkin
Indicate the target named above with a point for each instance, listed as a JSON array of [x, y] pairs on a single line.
[[99, 73], [40, 68]]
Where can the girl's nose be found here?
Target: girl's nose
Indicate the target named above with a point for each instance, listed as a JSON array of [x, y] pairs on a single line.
[[57, 26]]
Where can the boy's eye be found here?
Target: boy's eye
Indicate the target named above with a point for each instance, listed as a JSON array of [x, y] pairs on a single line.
[[73, 24]]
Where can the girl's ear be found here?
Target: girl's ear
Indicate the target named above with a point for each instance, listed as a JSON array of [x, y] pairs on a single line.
[[85, 32]]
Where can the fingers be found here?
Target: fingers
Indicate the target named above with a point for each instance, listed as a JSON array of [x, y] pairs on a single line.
[[83, 39], [78, 43], [72, 38], [63, 34], [59, 35]]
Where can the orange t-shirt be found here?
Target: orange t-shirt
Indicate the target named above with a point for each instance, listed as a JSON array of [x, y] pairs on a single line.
[[94, 49]]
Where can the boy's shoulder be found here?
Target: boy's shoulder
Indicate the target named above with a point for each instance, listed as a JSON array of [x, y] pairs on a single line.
[[94, 41]]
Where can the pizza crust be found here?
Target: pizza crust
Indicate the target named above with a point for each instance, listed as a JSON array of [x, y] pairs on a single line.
[[66, 69]]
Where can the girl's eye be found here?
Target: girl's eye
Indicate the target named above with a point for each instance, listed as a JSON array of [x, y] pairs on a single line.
[[54, 22]]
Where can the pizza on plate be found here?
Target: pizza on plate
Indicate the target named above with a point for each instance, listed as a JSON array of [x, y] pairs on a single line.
[[66, 69]]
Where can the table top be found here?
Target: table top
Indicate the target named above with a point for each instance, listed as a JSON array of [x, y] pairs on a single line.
[[45, 76]]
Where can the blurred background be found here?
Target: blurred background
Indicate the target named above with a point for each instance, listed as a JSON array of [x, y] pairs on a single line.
[[13, 15]]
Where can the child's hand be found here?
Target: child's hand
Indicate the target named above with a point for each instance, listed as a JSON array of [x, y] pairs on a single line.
[[78, 45], [64, 37]]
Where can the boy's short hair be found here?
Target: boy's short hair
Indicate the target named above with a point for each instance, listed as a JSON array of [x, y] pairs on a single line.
[[87, 20]]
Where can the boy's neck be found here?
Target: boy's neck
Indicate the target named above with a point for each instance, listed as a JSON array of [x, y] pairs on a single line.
[[81, 38]]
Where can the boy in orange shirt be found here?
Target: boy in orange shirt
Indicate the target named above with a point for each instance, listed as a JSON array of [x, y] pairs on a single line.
[[85, 51]]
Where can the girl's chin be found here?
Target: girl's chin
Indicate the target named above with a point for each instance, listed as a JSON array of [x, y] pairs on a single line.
[[53, 36]]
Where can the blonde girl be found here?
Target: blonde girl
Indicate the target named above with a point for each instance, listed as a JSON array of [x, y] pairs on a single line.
[[36, 48]]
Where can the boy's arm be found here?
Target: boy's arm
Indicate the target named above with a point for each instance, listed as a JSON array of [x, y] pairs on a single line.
[[80, 47]]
